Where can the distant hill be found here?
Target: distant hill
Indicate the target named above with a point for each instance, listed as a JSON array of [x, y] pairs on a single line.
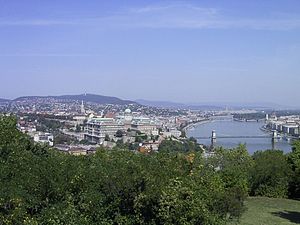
[[211, 105], [176, 105], [253, 105], [4, 100], [161, 104], [100, 99]]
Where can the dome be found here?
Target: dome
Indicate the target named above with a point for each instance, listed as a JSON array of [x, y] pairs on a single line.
[[91, 116], [127, 111]]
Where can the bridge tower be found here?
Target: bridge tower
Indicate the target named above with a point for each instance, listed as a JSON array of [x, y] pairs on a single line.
[[213, 137], [274, 135], [274, 139]]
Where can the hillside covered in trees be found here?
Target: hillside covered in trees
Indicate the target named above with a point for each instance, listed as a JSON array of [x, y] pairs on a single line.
[[39, 185]]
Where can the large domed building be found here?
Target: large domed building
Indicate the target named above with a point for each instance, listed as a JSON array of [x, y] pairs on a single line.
[[127, 118], [127, 111]]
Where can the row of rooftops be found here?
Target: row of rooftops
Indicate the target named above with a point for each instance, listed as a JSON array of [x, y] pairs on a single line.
[[121, 121]]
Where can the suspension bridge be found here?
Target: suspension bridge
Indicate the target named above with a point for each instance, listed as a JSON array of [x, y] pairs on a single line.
[[221, 137], [214, 136]]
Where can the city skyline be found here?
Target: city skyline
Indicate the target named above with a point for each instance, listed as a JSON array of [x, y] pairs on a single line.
[[161, 103], [182, 51]]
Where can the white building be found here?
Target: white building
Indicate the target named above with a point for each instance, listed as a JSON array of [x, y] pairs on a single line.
[[291, 129], [97, 128], [139, 123], [285, 124], [41, 137], [172, 133], [79, 120], [144, 125]]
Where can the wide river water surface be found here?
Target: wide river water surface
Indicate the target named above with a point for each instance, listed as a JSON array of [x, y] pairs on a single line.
[[233, 128]]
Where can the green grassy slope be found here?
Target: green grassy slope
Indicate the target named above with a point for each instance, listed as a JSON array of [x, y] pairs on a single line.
[[264, 211]]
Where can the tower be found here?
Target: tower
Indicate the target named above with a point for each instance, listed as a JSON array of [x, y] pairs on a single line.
[[128, 115], [82, 110], [274, 138], [213, 137]]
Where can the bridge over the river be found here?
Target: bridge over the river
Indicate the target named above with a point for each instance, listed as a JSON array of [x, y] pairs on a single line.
[[214, 136], [241, 137]]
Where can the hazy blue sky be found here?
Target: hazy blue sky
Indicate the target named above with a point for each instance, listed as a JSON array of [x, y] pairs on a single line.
[[186, 51]]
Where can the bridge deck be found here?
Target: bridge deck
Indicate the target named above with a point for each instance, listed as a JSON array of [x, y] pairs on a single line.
[[218, 137]]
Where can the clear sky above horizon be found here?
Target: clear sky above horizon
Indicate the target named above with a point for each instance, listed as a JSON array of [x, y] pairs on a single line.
[[183, 51]]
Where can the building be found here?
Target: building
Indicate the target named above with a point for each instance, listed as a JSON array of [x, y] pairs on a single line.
[[98, 128], [172, 133], [79, 120], [291, 129], [46, 138], [289, 125], [77, 149], [144, 125]]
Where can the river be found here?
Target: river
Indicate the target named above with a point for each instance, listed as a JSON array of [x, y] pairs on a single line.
[[235, 128]]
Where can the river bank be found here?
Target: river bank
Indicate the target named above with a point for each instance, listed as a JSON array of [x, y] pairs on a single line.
[[280, 135], [195, 123]]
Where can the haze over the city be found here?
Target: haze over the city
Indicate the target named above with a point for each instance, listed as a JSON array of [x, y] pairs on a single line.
[[182, 51]]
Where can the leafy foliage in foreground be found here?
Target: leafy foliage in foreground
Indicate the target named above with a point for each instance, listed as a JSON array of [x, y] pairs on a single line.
[[294, 162], [270, 175], [41, 186], [188, 145]]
